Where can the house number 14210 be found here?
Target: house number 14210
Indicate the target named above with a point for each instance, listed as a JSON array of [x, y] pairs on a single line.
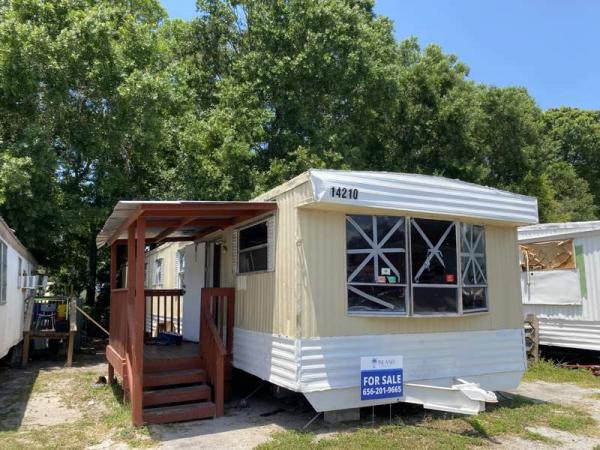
[[342, 192]]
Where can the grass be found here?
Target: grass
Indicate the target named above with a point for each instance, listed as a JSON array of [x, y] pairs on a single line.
[[510, 417], [551, 373], [102, 415]]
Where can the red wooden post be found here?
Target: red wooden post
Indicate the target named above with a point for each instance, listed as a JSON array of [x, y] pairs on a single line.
[[138, 322], [131, 262], [135, 393], [113, 267], [113, 285], [219, 385]]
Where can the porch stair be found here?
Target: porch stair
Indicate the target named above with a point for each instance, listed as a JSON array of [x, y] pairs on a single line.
[[176, 391]]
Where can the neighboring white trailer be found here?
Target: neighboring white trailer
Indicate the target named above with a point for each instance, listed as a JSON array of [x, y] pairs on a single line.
[[16, 267], [566, 301]]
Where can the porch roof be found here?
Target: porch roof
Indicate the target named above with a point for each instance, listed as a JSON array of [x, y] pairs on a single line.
[[169, 221]]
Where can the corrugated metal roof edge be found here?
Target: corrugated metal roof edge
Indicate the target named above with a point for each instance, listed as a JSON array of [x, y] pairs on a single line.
[[437, 177], [558, 230], [306, 176]]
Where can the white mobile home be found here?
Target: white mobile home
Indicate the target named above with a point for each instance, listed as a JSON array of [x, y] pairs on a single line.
[[560, 282], [16, 265], [335, 266]]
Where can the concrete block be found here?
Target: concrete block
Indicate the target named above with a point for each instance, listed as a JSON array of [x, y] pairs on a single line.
[[342, 415]]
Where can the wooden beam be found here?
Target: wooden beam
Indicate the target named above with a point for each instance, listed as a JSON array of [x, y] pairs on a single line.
[[113, 266], [125, 225], [167, 231], [165, 223], [248, 209], [221, 223], [138, 324], [213, 206]]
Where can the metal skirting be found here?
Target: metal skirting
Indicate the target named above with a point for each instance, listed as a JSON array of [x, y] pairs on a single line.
[[318, 364], [570, 333]]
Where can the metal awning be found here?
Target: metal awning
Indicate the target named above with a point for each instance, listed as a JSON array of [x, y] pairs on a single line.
[[169, 221]]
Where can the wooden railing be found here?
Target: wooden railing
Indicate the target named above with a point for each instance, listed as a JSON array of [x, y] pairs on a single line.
[[164, 308], [216, 339]]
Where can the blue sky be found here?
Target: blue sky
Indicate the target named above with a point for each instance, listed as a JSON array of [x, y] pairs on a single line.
[[550, 47]]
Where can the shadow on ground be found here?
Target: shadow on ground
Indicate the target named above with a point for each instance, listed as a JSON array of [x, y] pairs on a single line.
[[246, 426], [18, 387]]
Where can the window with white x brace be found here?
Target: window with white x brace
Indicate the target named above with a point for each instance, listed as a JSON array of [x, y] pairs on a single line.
[[403, 266]]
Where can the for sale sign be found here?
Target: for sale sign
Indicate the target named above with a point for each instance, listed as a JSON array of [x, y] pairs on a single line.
[[381, 377]]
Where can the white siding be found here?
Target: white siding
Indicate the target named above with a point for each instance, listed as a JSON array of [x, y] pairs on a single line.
[[316, 364], [576, 326], [13, 311]]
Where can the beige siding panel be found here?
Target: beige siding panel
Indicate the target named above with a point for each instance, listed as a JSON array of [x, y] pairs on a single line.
[[321, 252], [266, 302], [504, 277]]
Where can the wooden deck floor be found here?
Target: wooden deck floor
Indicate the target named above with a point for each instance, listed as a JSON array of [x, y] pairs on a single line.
[[163, 352]]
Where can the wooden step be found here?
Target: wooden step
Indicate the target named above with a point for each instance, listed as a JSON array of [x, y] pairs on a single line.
[[176, 395], [180, 413], [175, 363], [172, 377]]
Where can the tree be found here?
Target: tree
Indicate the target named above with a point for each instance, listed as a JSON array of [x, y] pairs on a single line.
[[83, 92], [575, 135]]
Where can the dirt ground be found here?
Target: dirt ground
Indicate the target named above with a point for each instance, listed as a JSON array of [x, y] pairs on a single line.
[[569, 394], [39, 397]]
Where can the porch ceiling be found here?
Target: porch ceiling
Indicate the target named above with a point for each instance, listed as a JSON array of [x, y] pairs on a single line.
[[178, 220]]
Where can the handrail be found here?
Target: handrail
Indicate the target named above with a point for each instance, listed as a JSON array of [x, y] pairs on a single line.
[[163, 307], [216, 353]]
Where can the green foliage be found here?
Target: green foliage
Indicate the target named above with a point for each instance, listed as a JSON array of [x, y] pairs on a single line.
[[108, 100], [548, 371]]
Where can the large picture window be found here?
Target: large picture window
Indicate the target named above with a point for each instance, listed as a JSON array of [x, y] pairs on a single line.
[[434, 266], [399, 265], [376, 264]]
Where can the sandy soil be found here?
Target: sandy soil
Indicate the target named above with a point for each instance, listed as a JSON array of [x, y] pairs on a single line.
[[29, 405], [244, 428], [566, 394]]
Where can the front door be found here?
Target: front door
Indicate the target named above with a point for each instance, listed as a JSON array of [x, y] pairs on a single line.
[[213, 264]]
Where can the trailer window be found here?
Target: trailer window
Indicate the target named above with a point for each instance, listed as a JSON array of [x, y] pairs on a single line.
[[253, 248], [550, 255], [376, 264], [474, 277], [158, 272], [434, 266], [443, 272]]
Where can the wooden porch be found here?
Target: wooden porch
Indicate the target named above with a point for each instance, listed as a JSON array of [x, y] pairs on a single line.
[[172, 382]]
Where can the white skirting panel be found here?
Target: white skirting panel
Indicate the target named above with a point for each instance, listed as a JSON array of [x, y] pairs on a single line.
[[495, 358], [582, 334], [269, 357]]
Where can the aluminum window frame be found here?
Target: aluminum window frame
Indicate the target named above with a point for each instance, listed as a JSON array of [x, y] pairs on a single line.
[[375, 255], [410, 285], [159, 264], [457, 285], [240, 251], [463, 270]]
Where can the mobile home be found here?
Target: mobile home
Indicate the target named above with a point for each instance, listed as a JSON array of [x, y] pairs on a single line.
[[16, 267], [335, 266], [560, 282]]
